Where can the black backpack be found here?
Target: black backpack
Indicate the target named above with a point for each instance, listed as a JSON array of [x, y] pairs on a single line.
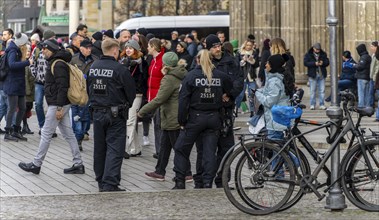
[[3, 67]]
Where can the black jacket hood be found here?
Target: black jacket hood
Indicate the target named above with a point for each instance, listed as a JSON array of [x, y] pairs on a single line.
[[361, 49], [61, 54]]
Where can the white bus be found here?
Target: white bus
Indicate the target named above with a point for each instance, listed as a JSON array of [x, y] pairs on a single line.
[[162, 26]]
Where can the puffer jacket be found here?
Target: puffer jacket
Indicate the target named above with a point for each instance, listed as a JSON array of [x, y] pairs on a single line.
[[167, 98], [347, 71], [56, 86], [363, 65], [310, 62], [14, 84], [155, 76], [273, 93]]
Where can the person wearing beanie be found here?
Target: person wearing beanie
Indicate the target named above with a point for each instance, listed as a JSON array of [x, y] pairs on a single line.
[[97, 37], [14, 86], [108, 34], [230, 66], [81, 120], [191, 45], [167, 101], [48, 34], [58, 110], [134, 60], [316, 61], [149, 36], [347, 78], [181, 51], [273, 93], [34, 39]]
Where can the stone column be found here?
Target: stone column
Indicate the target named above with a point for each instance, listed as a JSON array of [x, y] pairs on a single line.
[[74, 16]]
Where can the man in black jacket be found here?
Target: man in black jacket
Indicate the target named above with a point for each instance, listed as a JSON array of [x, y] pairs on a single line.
[[316, 61], [57, 82], [363, 76], [111, 91]]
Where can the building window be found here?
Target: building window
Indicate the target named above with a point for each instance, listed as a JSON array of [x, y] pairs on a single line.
[[66, 5], [41, 3], [54, 6], [26, 3]]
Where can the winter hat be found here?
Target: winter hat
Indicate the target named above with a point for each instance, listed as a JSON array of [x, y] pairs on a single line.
[[20, 39], [142, 31], [170, 59], [35, 37], [109, 33], [191, 37], [86, 43], [97, 36], [134, 44], [117, 35], [48, 34], [317, 46], [51, 45], [234, 43], [183, 44], [251, 36], [149, 36], [175, 32], [211, 41], [276, 63]]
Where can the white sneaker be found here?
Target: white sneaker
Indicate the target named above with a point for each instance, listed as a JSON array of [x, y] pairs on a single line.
[[146, 140], [322, 107], [312, 107]]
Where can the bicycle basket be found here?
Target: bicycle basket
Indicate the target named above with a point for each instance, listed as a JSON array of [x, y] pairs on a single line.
[[284, 114]]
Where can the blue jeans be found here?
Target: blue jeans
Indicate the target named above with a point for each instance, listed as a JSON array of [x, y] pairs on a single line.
[[250, 86], [363, 92], [371, 93], [3, 104], [317, 83], [80, 125], [39, 93]]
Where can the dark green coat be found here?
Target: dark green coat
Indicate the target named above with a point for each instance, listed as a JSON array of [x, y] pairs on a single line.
[[167, 99]]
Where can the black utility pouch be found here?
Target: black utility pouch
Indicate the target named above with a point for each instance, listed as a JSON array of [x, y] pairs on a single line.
[[114, 111]]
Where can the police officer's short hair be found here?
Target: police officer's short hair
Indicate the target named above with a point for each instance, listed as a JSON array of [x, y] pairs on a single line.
[[108, 44]]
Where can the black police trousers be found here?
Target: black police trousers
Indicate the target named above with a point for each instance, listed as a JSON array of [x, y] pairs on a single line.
[[109, 147], [223, 145], [203, 125]]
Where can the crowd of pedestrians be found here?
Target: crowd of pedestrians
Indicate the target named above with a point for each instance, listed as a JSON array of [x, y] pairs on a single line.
[[190, 89]]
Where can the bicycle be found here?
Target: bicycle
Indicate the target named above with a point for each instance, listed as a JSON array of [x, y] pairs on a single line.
[[260, 187]]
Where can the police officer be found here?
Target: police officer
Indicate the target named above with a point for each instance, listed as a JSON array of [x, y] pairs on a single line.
[[111, 92], [200, 99], [228, 65]]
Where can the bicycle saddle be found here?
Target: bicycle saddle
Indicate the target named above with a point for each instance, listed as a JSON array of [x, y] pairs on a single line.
[[366, 111]]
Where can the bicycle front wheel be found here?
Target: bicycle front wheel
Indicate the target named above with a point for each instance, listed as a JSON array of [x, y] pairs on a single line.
[[251, 188], [361, 186]]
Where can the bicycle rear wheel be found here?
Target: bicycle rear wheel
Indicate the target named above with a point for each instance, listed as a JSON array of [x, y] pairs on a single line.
[[359, 185], [252, 189]]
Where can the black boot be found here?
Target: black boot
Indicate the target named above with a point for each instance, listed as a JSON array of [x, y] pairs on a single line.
[[17, 133], [179, 184], [26, 129], [8, 135]]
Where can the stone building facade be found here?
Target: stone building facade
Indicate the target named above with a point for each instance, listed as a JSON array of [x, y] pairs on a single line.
[[303, 22]]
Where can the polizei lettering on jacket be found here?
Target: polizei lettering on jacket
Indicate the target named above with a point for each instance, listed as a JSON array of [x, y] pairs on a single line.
[[204, 82], [101, 72]]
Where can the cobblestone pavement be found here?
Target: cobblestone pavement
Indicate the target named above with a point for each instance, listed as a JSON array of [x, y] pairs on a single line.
[[54, 195]]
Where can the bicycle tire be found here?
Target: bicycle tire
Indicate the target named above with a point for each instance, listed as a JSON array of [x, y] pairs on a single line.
[[259, 202], [359, 187], [298, 193]]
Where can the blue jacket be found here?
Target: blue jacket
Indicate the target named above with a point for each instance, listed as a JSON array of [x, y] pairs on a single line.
[[273, 93], [14, 84], [310, 62], [348, 71]]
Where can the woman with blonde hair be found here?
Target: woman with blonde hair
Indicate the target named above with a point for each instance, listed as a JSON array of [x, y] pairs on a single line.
[[14, 86], [202, 93]]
